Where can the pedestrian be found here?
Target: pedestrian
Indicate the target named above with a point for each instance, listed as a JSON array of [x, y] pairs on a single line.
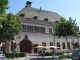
[[42, 53], [53, 53]]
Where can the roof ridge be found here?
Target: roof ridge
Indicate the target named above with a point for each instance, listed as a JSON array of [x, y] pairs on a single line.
[[44, 10], [42, 14]]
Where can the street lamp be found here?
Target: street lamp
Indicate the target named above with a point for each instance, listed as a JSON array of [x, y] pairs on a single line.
[[13, 49], [78, 38]]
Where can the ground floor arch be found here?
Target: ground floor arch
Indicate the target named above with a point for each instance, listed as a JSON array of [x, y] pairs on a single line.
[[26, 46]]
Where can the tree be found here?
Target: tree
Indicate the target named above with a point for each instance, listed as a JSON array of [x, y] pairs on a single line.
[[65, 28], [10, 25]]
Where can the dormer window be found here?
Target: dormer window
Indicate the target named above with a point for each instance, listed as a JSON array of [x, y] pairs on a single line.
[[35, 17], [46, 19], [22, 15], [56, 21]]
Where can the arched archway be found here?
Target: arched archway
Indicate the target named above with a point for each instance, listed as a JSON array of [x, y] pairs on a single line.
[[25, 46]]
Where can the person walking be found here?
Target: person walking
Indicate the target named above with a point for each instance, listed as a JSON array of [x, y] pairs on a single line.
[[53, 53], [42, 53]]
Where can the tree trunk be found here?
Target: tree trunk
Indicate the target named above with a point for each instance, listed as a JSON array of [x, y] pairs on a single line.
[[6, 46]]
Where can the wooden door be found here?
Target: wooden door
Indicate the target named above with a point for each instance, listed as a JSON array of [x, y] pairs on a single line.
[[25, 46]]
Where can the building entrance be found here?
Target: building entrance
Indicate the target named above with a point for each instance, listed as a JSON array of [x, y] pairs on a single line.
[[25, 46]]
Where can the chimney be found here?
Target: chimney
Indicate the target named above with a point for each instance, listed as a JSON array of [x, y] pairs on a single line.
[[28, 4], [40, 8]]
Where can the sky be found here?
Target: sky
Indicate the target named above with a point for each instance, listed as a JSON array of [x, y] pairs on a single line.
[[65, 8]]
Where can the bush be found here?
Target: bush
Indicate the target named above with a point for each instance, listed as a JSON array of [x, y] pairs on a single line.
[[47, 54], [16, 54], [66, 56], [22, 54], [58, 53], [50, 53], [8, 54]]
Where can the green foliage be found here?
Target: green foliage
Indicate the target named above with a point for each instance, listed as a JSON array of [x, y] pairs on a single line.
[[11, 27], [16, 54], [66, 56], [65, 27], [47, 54], [58, 53], [3, 6]]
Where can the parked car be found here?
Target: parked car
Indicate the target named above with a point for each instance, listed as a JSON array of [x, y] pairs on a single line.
[[75, 55], [2, 56]]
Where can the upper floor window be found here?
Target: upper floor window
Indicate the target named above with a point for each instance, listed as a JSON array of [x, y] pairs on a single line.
[[36, 29], [29, 28], [24, 28], [42, 30], [50, 30], [33, 28]]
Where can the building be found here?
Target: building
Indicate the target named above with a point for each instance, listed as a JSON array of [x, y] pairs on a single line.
[[38, 30]]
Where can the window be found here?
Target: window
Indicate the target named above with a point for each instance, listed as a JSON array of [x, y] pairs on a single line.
[[50, 30], [63, 44], [58, 45], [76, 45], [68, 45], [13, 45], [46, 19], [51, 44], [35, 17], [36, 29], [22, 15], [24, 28], [43, 43], [42, 30], [29, 28]]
